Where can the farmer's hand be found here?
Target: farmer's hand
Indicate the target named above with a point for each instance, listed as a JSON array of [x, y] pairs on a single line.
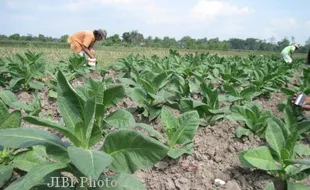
[[306, 107]]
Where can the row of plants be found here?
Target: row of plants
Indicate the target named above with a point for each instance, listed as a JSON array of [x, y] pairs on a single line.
[[204, 88]]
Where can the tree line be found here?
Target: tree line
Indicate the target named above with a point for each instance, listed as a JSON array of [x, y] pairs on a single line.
[[134, 38]]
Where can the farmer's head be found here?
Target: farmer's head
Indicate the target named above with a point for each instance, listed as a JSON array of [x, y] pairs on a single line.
[[296, 45], [100, 34]]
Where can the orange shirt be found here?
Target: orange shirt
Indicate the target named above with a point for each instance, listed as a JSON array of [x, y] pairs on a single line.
[[80, 38]]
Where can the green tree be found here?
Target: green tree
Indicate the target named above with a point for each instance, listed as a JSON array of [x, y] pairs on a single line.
[[15, 36], [64, 38]]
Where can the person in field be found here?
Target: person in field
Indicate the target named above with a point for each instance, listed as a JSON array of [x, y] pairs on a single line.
[[82, 43], [287, 52]]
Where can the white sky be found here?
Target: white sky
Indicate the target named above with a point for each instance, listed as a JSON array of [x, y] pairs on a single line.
[[225, 19]]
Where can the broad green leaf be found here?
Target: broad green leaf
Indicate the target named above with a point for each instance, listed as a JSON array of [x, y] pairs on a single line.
[[22, 106], [8, 97], [289, 117], [159, 81], [113, 94], [151, 130], [241, 131], [47, 123], [133, 150], [58, 154], [170, 122], [36, 85], [243, 161], [302, 150], [250, 115], [154, 112], [27, 137], [121, 181], [285, 128], [120, 119], [296, 186], [238, 113], [147, 86], [270, 186], [89, 117], [303, 127], [4, 112], [177, 152], [275, 137], [90, 162], [13, 82], [261, 158], [5, 174], [137, 94], [189, 123], [69, 103], [127, 81], [12, 121], [28, 159], [35, 176]]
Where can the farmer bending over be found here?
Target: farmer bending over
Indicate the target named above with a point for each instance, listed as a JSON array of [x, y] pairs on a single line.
[[82, 42], [287, 52]]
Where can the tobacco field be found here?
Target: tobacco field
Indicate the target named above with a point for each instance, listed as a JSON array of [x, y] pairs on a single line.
[[191, 121]]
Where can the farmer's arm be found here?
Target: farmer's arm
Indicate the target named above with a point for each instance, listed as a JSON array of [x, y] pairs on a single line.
[[88, 52], [87, 46]]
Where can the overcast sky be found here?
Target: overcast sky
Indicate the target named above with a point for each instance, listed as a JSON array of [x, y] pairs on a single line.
[[225, 19]]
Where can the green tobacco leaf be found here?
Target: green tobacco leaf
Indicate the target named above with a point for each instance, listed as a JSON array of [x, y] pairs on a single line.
[[5, 174], [47, 123], [189, 123], [302, 150], [12, 121], [4, 112], [261, 158], [36, 85], [289, 117], [23, 106], [137, 94], [243, 161], [120, 119], [28, 159], [303, 127], [121, 181], [275, 137], [27, 137], [241, 131], [35, 176], [270, 186], [69, 103], [14, 82], [170, 122], [8, 97], [177, 152], [133, 150], [296, 186], [238, 113], [285, 128], [90, 162], [89, 116], [113, 94], [151, 130], [160, 80]]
